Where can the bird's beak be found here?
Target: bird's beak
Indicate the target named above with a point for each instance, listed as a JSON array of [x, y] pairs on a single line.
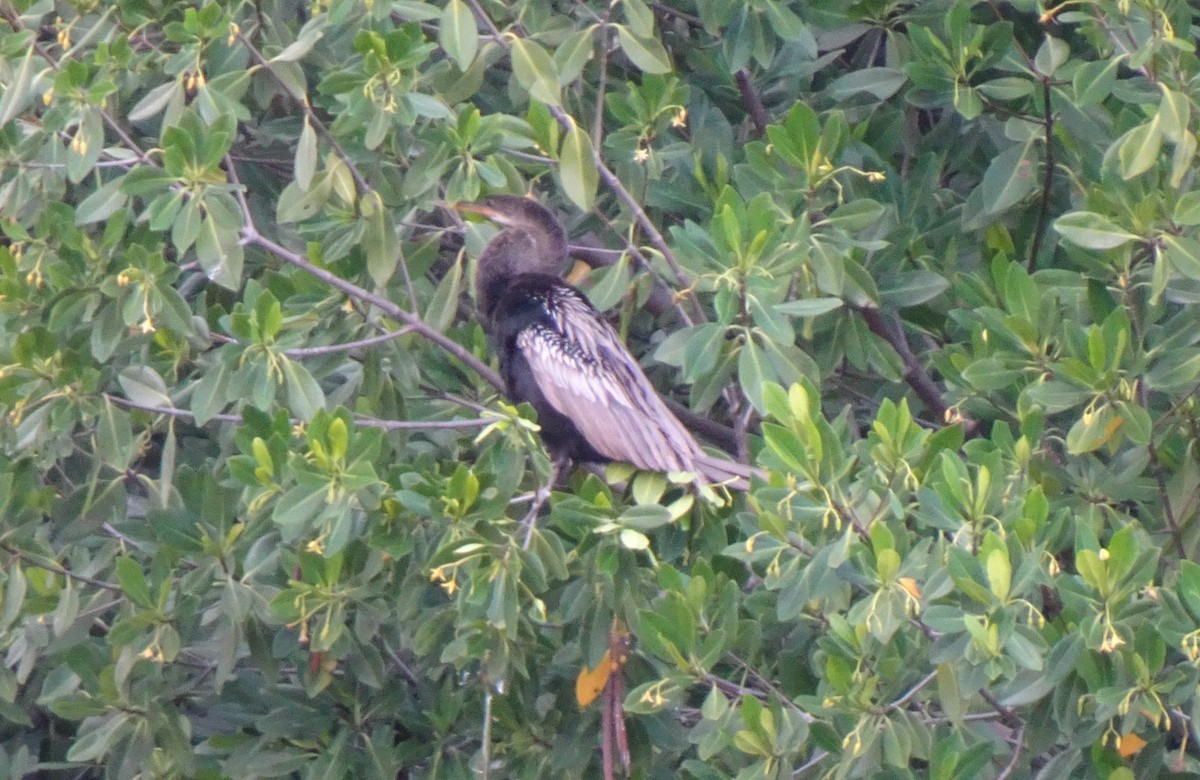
[[469, 207]]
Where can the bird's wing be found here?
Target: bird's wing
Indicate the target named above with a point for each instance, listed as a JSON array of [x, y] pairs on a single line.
[[587, 374]]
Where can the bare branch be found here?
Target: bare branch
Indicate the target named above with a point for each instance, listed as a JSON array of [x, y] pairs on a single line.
[[316, 122], [250, 235], [752, 102], [328, 349], [359, 420], [914, 373]]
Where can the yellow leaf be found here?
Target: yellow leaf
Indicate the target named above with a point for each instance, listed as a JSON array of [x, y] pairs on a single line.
[[1129, 745], [910, 585], [590, 682]]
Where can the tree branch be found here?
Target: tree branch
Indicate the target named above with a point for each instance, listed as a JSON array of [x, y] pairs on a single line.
[[359, 420], [265, 64], [752, 102], [914, 374], [1039, 230], [250, 235]]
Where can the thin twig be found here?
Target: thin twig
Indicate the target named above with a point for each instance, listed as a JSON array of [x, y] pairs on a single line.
[[602, 89], [250, 235], [1164, 498], [359, 420], [644, 222], [1018, 742], [481, 15], [49, 565], [644, 263], [907, 697], [328, 349], [315, 120], [1047, 179]]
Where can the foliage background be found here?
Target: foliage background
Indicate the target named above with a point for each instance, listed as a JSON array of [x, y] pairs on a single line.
[[934, 265]]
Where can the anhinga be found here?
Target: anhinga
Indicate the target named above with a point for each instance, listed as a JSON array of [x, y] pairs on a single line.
[[558, 352]]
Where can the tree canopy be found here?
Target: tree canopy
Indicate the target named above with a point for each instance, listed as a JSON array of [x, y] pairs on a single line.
[[932, 266]]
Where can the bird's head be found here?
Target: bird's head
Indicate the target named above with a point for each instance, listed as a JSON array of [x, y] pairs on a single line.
[[532, 241], [517, 214], [520, 213]]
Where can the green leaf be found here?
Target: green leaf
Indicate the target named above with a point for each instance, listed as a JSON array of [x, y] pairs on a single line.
[[101, 204], [646, 53], [154, 101], [1051, 55], [144, 386], [443, 306], [1174, 114], [304, 395], [854, 216], [1011, 176], [1187, 209], [98, 735], [1137, 150], [808, 307], [458, 34], [577, 168], [1174, 371], [305, 163], [218, 250], [912, 288], [880, 83], [1092, 431], [1137, 426], [752, 374], [1093, 82], [210, 395], [312, 32], [1183, 252], [114, 436], [640, 17], [1058, 396], [18, 89], [380, 242], [574, 53], [999, 571], [1092, 231], [133, 582], [535, 70]]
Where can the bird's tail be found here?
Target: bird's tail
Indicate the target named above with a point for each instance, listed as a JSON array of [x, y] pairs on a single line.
[[730, 473]]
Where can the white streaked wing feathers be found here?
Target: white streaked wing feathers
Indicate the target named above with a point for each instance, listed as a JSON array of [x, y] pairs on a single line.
[[587, 374]]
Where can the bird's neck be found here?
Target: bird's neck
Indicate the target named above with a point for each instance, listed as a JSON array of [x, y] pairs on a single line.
[[512, 253]]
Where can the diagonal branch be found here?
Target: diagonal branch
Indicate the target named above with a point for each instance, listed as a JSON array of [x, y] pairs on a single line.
[[311, 115], [1039, 231], [359, 420], [752, 102], [914, 373], [250, 235]]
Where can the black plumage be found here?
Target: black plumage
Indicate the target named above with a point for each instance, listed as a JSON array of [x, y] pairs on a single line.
[[558, 353]]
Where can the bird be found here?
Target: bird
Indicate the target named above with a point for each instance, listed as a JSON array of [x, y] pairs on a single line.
[[558, 353]]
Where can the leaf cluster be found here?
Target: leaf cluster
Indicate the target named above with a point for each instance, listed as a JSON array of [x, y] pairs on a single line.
[[933, 266]]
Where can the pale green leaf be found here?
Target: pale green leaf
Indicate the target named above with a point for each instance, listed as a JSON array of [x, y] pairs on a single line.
[[1010, 176], [305, 163], [577, 168], [1137, 150], [458, 34], [144, 386], [646, 53], [535, 71], [1092, 231], [101, 204]]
